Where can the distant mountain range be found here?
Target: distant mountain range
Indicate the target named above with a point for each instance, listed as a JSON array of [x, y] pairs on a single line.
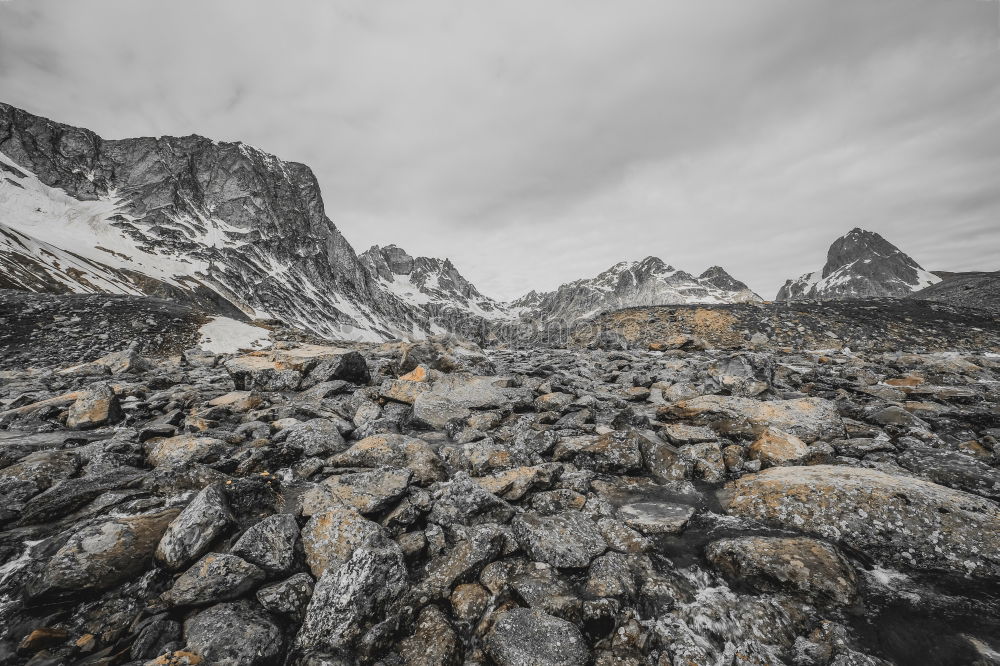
[[630, 284], [239, 232]]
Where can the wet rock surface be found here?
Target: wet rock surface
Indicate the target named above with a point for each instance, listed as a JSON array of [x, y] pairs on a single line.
[[683, 505]]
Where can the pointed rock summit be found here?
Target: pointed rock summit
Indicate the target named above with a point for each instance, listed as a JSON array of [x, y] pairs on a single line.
[[860, 264]]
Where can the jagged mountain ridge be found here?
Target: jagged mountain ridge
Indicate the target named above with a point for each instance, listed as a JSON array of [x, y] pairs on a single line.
[[860, 264], [215, 223], [631, 284], [433, 286]]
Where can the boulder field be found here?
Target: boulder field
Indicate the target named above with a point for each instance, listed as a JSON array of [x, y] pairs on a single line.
[[435, 503]]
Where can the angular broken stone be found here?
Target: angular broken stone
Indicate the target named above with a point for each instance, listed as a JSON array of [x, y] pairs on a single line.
[[234, 633], [96, 406], [288, 597], [331, 536], [567, 539], [460, 501], [316, 437], [370, 491], [394, 450], [652, 518], [184, 449], [349, 598], [215, 577], [526, 637], [189, 536], [434, 411], [271, 544], [776, 447]]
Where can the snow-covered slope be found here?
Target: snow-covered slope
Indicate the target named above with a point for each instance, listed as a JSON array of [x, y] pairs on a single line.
[[631, 284], [223, 225], [860, 264]]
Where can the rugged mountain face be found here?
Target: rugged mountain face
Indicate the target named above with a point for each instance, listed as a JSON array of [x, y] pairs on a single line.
[[860, 264], [974, 289], [433, 286], [630, 284], [220, 224]]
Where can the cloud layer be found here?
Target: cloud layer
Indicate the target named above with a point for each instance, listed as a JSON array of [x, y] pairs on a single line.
[[536, 143]]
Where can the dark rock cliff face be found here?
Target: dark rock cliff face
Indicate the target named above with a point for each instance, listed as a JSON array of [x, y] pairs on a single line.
[[860, 264], [191, 217], [631, 284]]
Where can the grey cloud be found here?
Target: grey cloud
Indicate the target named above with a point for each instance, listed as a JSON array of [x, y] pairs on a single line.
[[535, 143]]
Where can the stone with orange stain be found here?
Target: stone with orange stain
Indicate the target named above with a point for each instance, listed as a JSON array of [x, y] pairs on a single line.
[[238, 401], [96, 406], [184, 449], [809, 419], [102, 555], [908, 380], [331, 536], [176, 658], [900, 520], [370, 491], [421, 373], [402, 390], [42, 638], [394, 450], [809, 567], [514, 484], [776, 447]]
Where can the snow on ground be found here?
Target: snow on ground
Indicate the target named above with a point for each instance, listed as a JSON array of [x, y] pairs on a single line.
[[223, 335]]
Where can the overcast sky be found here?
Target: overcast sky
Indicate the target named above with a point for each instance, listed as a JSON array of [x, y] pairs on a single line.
[[539, 141]]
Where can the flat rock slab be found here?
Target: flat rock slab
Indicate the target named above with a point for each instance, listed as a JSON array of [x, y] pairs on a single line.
[[657, 517]]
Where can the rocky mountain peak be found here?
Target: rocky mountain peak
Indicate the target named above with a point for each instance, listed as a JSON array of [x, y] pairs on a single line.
[[718, 277], [860, 264], [650, 281], [858, 245]]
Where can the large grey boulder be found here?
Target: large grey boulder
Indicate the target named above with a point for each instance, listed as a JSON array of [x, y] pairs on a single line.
[[896, 519], [103, 555], [215, 577]]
